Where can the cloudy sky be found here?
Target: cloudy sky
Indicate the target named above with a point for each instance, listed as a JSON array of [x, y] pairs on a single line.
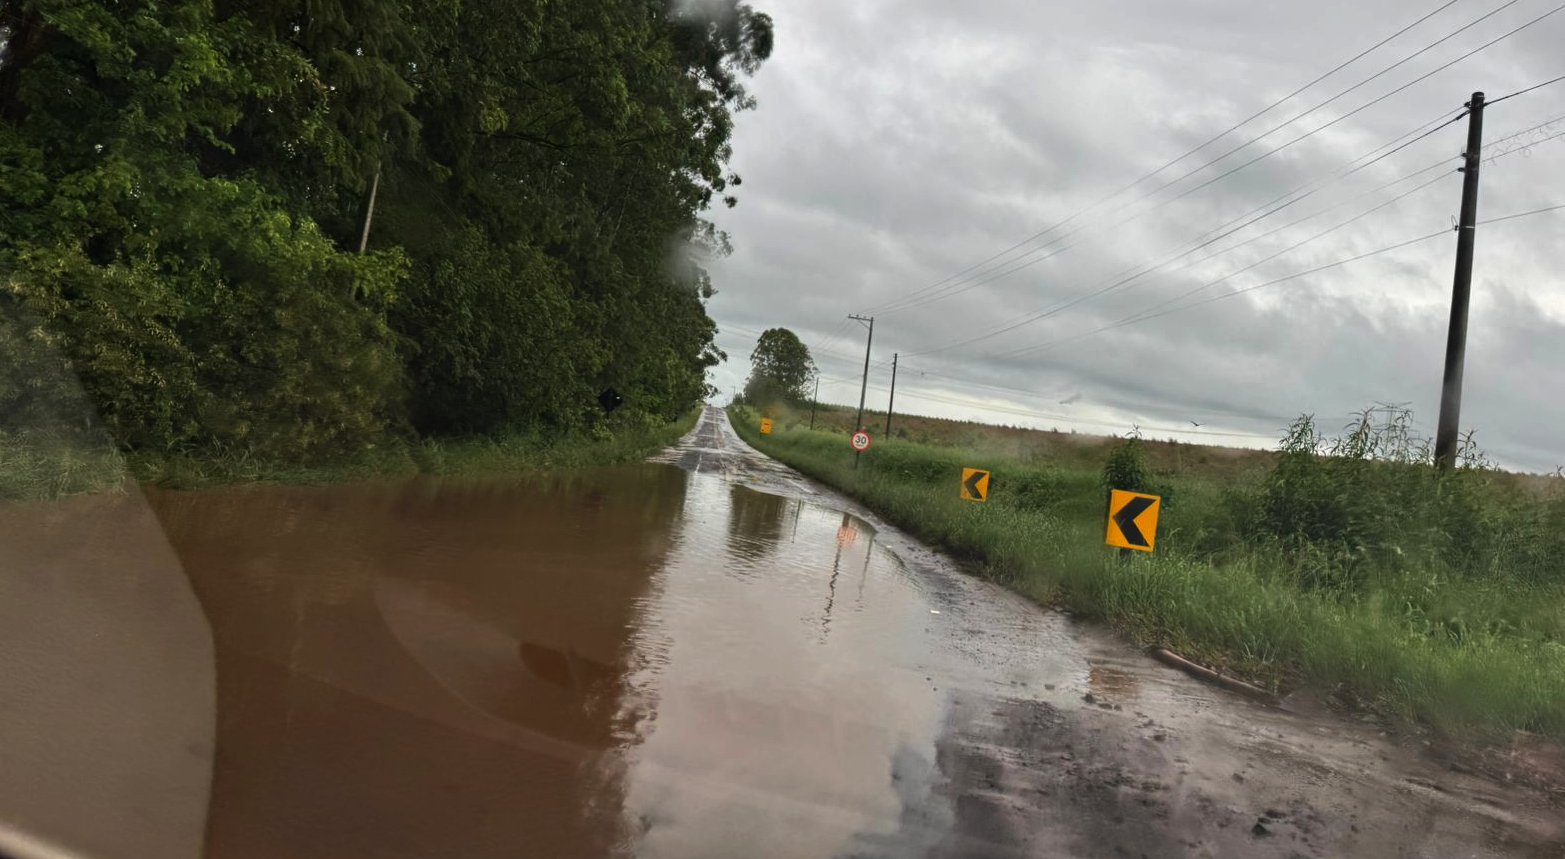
[[899, 144]]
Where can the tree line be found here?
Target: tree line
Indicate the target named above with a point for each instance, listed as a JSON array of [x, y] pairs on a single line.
[[184, 189]]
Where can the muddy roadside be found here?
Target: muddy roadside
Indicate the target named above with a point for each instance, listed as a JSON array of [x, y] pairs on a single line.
[[1123, 756]]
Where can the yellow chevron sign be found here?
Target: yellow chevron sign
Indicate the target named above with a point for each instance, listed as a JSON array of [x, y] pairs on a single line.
[[1133, 520]]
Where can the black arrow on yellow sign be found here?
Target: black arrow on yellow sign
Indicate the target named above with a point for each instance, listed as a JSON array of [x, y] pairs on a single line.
[[1126, 520], [975, 484]]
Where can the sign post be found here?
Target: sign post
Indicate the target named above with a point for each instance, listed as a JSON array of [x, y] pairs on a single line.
[[1133, 520]]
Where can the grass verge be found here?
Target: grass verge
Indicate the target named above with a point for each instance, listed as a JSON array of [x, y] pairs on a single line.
[[52, 465], [1469, 656]]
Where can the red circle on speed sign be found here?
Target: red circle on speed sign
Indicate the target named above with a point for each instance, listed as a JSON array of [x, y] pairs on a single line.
[[861, 441]]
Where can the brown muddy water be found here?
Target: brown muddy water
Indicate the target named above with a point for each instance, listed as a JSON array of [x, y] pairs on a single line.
[[699, 656]]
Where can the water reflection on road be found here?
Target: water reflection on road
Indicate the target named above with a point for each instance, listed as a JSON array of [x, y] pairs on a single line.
[[782, 680], [631, 660]]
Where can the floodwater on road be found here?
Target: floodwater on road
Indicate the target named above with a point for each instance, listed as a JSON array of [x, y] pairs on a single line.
[[703, 655], [643, 659]]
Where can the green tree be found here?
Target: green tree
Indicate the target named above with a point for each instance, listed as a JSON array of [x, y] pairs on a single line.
[[335, 83], [182, 187], [585, 139], [198, 310], [780, 368]]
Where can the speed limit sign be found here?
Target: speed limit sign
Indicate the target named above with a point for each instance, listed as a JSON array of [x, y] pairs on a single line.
[[861, 441]]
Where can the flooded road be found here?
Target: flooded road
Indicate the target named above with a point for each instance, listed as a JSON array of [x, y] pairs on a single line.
[[703, 655]]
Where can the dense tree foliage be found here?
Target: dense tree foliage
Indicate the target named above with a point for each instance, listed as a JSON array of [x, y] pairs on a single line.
[[780, 368], [185, 185]]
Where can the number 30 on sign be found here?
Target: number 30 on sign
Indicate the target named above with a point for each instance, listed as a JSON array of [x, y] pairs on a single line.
[[860, 441]]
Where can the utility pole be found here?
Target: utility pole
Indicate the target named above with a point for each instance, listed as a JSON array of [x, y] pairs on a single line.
[[815, 400], [369, 211], [858, 423], [892, 401], [1461, 288]]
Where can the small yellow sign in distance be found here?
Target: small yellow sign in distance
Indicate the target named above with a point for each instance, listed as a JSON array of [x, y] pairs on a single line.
[[1133, 520], [975, 484], [766, 426]]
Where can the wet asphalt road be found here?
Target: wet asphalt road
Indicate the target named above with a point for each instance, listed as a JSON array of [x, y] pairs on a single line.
[[703, 655], [1056, 739]]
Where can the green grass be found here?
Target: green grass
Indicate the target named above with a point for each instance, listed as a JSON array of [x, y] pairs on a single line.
[[1421, 640], [53, 465]]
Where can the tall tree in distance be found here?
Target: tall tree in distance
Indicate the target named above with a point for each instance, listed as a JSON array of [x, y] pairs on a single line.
[[780, 368]]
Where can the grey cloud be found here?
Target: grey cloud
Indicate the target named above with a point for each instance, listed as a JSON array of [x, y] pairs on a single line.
[[898, 143]]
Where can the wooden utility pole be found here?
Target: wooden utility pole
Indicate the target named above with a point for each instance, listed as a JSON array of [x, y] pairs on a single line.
[[1461, 288], [890, 403], [858, 422], [815, 400], [369, 211]]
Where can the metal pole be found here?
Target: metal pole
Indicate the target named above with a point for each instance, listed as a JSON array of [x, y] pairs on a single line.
[[1461, 289], [814, 400], [858, 423], [892, 401]]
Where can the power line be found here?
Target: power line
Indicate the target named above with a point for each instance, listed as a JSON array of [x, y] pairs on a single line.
[[1523, 148], [1131, 320], [1301, 115], [1373, 156], [1401, 179], [1528, 145], [976, 404], [1527, 90], [1521, 214], [742, 331], [1181, 157], [1144, 315], [1266, 259], [1267, 154], [1296, 221], [835, 334], [971, 403], [1416, 135], [1095, 400], [1356, 110], [1135, 318], [1156, 312]]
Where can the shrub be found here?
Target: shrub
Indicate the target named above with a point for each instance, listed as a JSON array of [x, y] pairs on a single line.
[[1126, 467], [1030, 489], [1371, 500]]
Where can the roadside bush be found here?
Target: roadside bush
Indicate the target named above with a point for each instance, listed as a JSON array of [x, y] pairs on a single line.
[[1031, 490], [1370, 501], [917, 462], [1126, 467]]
